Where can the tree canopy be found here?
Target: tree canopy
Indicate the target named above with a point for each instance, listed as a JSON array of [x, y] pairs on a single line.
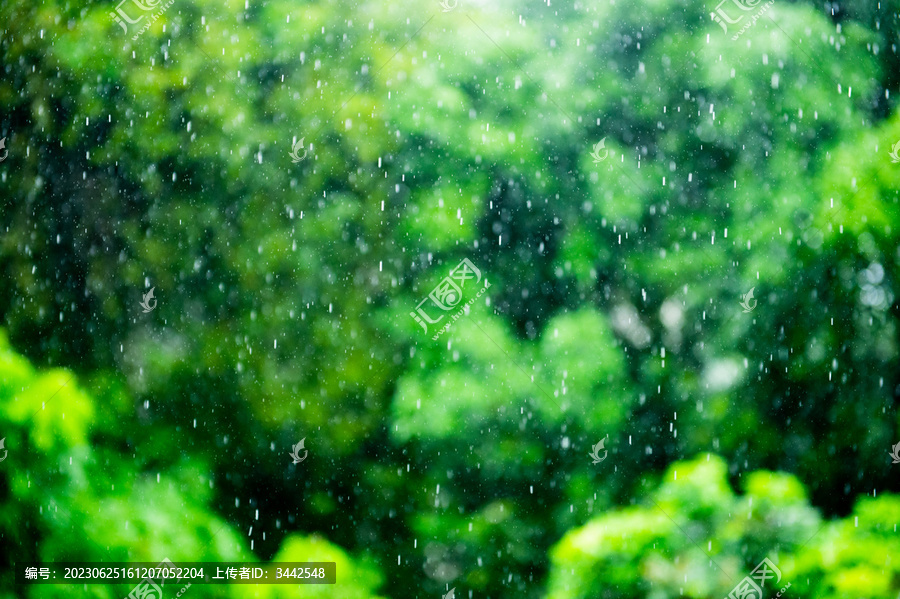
[[710, 291]]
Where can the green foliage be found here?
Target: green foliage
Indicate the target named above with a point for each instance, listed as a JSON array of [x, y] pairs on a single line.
[[284, 292], [355, 580], [693, 537]]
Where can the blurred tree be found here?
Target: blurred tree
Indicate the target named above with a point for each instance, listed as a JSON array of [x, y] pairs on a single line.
[[694, 538], [284, 289]]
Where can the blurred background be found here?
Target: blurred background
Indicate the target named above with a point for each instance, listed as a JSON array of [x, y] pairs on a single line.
[[157, 154]]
